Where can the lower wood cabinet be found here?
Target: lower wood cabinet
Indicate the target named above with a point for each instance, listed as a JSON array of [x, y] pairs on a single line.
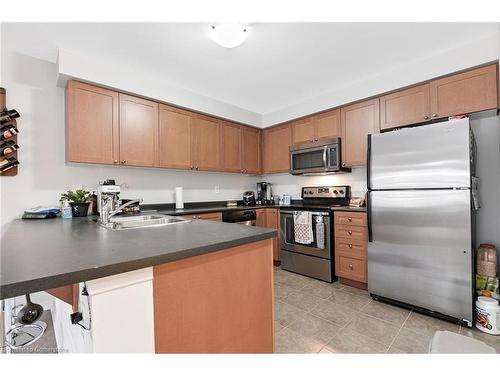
[[270, 218], [213, 216], [221, 302], [351, 243]]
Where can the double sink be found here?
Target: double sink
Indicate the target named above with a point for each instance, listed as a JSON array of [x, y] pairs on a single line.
[[142, 221]]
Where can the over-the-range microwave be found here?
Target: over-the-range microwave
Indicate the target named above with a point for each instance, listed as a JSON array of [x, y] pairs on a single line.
[[317, 158]]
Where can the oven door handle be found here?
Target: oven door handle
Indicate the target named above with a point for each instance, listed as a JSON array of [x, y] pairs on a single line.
[[314, 213]]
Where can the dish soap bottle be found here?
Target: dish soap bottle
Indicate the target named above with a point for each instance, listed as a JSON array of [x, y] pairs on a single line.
[[66, 210]]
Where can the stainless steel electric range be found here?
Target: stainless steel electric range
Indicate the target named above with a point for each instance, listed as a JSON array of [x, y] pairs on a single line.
[[315, 259]]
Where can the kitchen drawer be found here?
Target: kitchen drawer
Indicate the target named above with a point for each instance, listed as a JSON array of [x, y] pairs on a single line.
[[351, 268], [351, 232], [350, 247], [351, 218], [214, 216]]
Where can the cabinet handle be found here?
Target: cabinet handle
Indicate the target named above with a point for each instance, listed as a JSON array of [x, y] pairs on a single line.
[[115, 161], [350, 232], [350, 266], [316, 140], [245, 171], [349, 218], [192, 167], [426, 117], [350, 246], [196, 167], [434, 115], [123, 161], [343, 164]]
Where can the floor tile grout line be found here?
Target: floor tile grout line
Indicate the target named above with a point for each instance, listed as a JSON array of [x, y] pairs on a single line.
[[397, 334]]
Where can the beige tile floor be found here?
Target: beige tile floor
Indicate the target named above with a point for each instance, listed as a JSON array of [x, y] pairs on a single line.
[[316, 317]]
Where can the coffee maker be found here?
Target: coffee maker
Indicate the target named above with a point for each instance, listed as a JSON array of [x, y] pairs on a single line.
[[264, 194]]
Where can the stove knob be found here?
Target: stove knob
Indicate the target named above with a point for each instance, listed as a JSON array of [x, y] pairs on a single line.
[[310, 192], [341, 192], [335, 192]]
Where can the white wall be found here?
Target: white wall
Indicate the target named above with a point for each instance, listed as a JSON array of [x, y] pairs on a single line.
[[43, 173]]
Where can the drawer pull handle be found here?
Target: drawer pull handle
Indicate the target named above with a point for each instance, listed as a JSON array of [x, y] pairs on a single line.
[[350, 246], [350, 266], [350, 232], [349, 219]]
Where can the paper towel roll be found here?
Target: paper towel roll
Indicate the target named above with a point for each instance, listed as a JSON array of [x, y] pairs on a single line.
[[179, 200]]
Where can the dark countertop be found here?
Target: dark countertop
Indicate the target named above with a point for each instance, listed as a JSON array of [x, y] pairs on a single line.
[[42, 254], [206, 207]]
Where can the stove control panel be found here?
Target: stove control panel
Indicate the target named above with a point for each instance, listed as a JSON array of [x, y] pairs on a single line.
[[326, 192]]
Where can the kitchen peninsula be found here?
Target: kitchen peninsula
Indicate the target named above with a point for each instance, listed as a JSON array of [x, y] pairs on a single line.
[[196, 286]]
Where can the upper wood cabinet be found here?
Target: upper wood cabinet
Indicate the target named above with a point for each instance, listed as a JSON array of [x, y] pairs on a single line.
[[314, 128], [277, 142], [303, 130], [250, 140], [471, 91], [176, 137], [138, 131], [92, 124], [357, 121], [231, 145], [207, 150], [405, 107], [327, 124]]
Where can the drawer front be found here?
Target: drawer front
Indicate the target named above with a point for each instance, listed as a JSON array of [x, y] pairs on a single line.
[[351, 268], [351, 232], [350, 248], [351, 218], [214, 216]]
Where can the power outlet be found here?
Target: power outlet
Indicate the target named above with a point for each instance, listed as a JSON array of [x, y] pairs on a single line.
[[217, 189]]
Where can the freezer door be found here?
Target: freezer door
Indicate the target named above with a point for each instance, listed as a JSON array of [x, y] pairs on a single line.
[[421, 249], [427, 157]]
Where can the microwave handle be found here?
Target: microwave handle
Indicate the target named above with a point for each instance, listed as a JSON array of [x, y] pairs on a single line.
[[325, 156]]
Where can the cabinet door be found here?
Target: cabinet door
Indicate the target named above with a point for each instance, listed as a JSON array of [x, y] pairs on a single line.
[[92, 124], [260, 220], [138, 131], [468, 92], [405, 107], [277, 142], [303, 130], [231, 147], [175, 138], [251, 150], [327, 124], [357, 121], [272, 221], [207, 143]]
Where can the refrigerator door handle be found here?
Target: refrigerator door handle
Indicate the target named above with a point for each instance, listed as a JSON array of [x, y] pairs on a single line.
[[368, 157], [369, 216]]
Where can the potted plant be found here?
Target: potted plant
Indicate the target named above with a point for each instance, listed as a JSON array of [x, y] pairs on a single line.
[[79, 200]]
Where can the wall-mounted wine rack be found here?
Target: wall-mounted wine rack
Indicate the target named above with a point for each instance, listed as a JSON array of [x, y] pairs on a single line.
[[8, 141]]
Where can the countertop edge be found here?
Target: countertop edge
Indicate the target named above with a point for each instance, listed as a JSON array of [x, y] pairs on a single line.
[[49, 282]]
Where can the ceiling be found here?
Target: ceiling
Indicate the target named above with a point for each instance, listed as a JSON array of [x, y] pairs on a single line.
[[280, 64]]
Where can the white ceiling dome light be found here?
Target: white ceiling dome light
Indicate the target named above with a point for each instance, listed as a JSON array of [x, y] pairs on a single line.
[[229, 35]]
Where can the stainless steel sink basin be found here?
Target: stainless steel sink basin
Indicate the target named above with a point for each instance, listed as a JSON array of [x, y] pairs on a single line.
[[142, 221]]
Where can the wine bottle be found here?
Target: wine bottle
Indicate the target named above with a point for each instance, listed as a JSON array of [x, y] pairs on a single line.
[[8, 148], [8, 115], [7, 164], [7, 132]]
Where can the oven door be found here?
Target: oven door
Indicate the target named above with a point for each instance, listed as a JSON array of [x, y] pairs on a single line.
[[287, 237]]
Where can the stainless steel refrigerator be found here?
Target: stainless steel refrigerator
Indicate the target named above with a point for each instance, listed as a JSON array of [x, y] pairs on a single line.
[[421, 218]]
